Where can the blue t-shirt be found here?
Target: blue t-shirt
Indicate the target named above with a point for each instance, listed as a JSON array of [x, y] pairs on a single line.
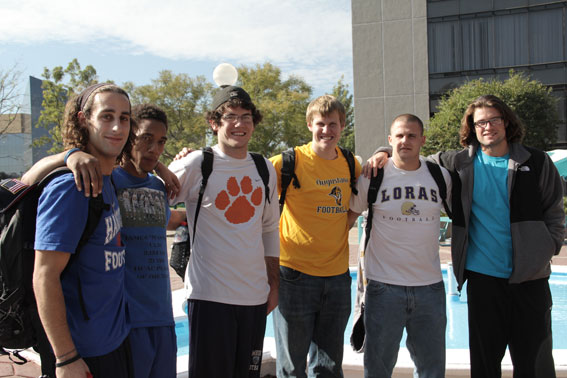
[[145, 213], [61, 220], [490, 241]]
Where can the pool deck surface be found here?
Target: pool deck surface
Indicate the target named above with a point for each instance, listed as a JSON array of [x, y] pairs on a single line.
[[32, 370]]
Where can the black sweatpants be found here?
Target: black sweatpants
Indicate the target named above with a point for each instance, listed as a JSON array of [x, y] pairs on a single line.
[[116, 364], [225, 341], [513, 315]]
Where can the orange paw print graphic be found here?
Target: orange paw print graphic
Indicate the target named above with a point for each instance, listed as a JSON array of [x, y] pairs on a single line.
[[239, 210]]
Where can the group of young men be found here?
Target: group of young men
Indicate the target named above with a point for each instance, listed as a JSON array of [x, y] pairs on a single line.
[[108, 312]]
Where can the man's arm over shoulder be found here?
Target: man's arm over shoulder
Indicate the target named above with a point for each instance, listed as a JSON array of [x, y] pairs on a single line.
[[552, 202], [188, 172], [85, 168], [446, 159], [40, 169]]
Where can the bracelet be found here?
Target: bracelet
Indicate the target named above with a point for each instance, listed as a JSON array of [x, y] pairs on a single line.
[[65, 354], [71, 151], [69, 361]]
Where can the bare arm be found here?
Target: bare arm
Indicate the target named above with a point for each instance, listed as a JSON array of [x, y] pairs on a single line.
[[85, 168], [184, 152], [273, 270], [51, 307], [352, 217], [172, 185], [378, 160], [40, 169], [177, 216]]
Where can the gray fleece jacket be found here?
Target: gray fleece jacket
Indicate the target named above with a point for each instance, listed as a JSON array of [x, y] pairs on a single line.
[[536, 209]]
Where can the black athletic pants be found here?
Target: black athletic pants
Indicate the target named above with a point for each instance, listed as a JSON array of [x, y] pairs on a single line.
[[116, 364], [225, 341], [513, 315]]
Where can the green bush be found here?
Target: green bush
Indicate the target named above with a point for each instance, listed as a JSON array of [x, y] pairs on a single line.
[[531, 100]]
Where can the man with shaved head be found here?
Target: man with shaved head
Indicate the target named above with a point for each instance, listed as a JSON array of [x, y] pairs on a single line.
[[401, 261]]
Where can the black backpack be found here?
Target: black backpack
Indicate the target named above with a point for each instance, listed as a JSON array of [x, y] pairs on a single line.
[[288, 172], [358, 330], [376, 181], [180, 253], [20, 326]]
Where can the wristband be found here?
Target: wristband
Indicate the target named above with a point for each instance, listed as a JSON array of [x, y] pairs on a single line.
[[69, 361], [71, 151], [65, 354]]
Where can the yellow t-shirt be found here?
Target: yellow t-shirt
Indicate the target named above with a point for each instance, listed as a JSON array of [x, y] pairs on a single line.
[[313, 225]]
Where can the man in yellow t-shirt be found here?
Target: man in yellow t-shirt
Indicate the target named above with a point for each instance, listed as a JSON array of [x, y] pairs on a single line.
[[314, 294]]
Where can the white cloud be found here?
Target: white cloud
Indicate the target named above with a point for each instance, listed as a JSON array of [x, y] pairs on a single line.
[[308, 38]]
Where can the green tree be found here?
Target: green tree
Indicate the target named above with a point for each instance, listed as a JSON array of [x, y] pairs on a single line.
[[531, 100], [342, 93], [185, 100], [59, 85], [283, 104]]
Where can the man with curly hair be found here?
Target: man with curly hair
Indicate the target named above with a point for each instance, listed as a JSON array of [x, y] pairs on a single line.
[[152, 338], [81, 302]]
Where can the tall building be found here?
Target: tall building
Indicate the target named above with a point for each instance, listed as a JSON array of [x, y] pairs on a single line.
[[18, 131], [407, 53], [15, 144]]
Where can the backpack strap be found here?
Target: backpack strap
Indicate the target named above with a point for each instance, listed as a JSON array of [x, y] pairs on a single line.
[[96, 208], [287, 174], [262, 168], [351, 168], [206, 169], [373, 188], [435, 171]]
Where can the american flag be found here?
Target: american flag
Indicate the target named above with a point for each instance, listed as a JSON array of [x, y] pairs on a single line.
[[12, 185]]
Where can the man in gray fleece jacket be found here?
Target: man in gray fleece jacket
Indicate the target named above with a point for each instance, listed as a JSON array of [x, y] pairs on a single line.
[[508, 222]]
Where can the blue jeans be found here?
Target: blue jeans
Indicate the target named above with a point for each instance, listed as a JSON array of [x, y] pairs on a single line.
[[311, 317], [421, 310]]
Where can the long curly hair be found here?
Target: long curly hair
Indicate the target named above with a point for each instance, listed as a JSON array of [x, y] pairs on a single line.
[[514, 127], [76, 136]]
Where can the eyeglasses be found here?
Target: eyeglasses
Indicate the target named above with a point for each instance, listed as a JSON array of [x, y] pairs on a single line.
[[233, 118], [496, 121]]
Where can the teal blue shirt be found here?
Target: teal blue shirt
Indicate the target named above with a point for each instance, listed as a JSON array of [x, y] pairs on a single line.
[[490, 241]]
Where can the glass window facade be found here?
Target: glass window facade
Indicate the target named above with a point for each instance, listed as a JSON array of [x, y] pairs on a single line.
[[15, 155], [491, 40], [488, 39]]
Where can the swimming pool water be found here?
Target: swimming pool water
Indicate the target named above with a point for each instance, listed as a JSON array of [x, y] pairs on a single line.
[[457, 329]]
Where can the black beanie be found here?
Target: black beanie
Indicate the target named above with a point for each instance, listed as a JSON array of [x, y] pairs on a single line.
[[228, 92]]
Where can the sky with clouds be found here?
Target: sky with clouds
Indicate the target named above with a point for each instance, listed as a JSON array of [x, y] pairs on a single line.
[[128, 40]]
